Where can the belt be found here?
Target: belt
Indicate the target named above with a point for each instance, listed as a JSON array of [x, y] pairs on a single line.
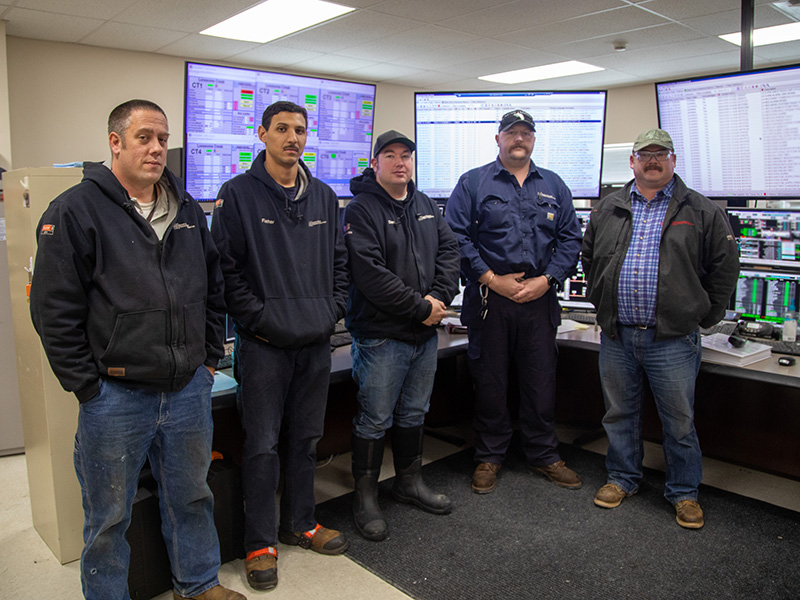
[[638, 326]]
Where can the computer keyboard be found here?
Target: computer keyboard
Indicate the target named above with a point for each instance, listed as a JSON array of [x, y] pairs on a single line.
[[778, 346], [341, 339], [580, 317], [226, 362], [725, 327]]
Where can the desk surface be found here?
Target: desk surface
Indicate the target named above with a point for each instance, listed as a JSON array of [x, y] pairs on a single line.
[[768, 371], [452, 344]]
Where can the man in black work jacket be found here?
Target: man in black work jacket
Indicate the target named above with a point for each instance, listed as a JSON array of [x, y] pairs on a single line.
[[285, 268], [127, 297], [404, 263]]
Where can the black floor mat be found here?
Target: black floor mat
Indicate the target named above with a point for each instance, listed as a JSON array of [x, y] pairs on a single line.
[[531, 539]]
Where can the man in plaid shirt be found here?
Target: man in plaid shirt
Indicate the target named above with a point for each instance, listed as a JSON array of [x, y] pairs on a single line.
[[661, 261]]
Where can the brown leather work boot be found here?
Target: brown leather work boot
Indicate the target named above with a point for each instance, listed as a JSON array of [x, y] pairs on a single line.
[[561, 475], [215, 593], [689, 514], [262, 568], [320, 539], [610, 496], [485, 477]]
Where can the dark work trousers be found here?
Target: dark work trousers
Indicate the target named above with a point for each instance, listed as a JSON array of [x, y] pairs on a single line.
[[282, 394], [524, 334]]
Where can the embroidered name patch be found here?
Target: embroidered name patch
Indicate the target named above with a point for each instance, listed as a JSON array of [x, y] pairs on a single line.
[[315, 223], [268, 221], [548, 196], [183, 226], [424, 217]]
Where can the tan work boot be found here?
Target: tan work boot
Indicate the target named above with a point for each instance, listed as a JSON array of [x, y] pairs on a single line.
[[215, 593], [689, 514], [610, 496]]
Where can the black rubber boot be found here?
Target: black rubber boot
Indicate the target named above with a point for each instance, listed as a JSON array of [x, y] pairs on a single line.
[[408, 484], [367, 459]]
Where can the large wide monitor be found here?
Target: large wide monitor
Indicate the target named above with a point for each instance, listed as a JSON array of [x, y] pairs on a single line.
[[736, 135], [768, 238], [455, 132], [223, 108]]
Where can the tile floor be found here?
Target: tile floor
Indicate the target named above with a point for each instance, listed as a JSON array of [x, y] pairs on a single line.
[[29, 571]]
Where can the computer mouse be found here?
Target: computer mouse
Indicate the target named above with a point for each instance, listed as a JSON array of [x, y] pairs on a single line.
[[786, 361]]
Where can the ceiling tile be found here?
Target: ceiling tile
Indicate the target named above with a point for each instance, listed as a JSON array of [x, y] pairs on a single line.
[[421, 79], [206, 47], [523, 14], [190, 16], [131, 37], [346, 31], [680, 10], [605, 23], [731, 20], [458, 54], [430, 11], [641, 39], [382, 71], [97, 9], [422, 39], [39, 25], [331, 63], [270, 55], [520, 59]]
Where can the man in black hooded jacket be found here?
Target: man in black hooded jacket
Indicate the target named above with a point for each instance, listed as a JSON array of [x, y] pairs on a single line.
[[404, 265], [285, 269], [127, 297]]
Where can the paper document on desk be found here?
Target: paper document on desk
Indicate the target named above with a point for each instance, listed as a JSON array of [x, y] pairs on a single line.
[[717, 349], [567, 325]]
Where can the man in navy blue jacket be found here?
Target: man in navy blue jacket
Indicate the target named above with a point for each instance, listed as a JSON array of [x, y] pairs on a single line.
[[404, 265], [520, 240], [127, 297], [285, 268]]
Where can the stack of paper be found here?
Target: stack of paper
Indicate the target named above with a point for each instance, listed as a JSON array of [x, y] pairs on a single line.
[[717, 348]]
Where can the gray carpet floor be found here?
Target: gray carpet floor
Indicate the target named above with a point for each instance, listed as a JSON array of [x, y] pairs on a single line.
[[531, 539]]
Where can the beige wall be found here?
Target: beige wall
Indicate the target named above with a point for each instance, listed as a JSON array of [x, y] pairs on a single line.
[[61, 94]]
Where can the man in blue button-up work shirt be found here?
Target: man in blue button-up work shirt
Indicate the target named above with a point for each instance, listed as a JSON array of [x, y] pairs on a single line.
[[519, 240]]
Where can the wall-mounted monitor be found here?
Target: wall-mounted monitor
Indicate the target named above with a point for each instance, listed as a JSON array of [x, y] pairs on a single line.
[[736, 135], [768, 238], [223, 108], [455, 132]]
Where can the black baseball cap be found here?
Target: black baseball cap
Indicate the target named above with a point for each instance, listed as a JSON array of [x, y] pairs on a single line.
[[391, 137], [516, 116]]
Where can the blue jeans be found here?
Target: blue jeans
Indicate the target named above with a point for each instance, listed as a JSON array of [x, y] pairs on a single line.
[[282, 397], [671, 367], [395, 380], [117, 430]]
